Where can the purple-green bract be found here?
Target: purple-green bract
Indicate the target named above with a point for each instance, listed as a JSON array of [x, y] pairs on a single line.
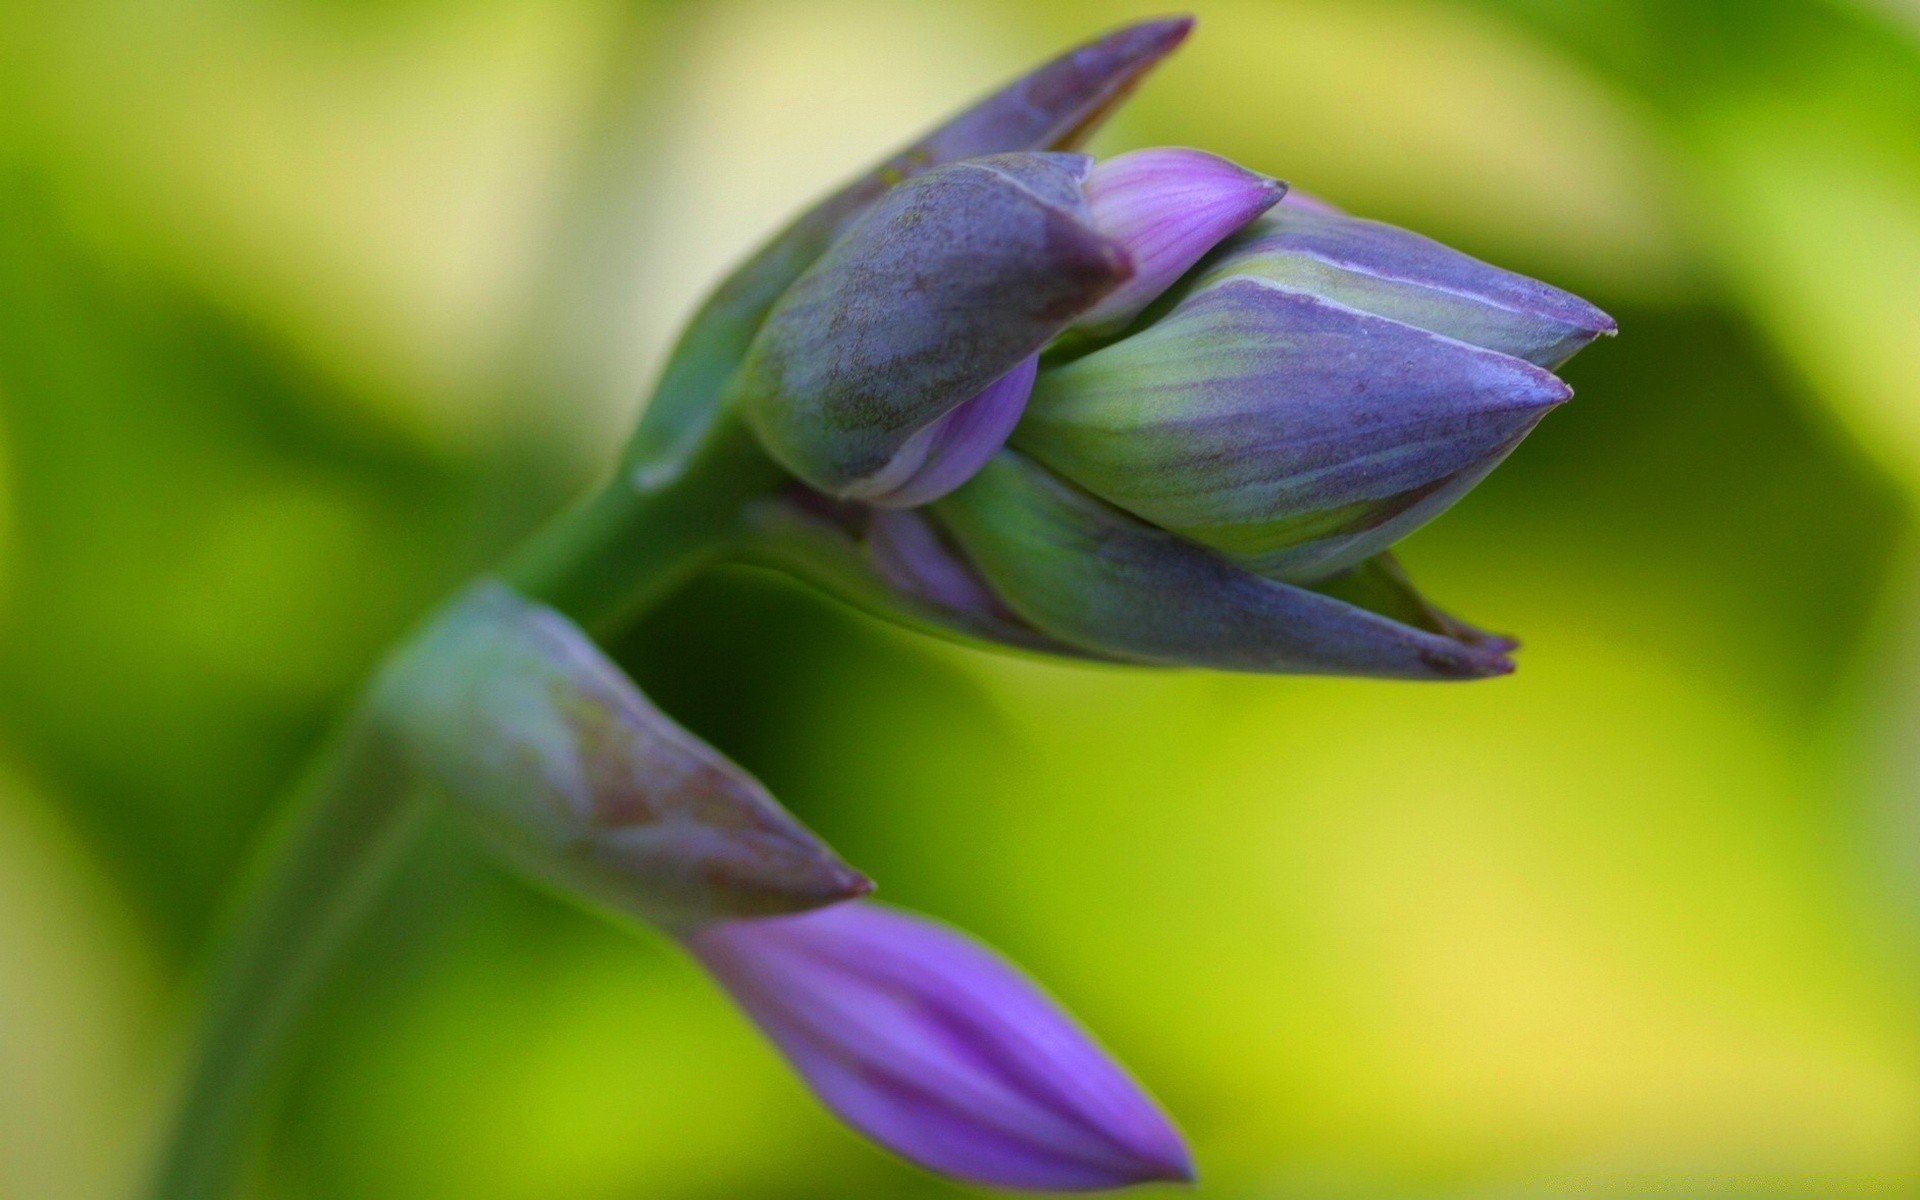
[[949, 282], [939, 1049], [1083, 571]]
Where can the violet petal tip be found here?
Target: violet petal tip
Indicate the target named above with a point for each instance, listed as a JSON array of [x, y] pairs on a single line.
[[941, 1051]]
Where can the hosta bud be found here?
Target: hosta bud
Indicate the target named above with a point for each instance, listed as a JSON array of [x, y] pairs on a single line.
[[561, 762], [1092, 576], [940, 1050], [1055, 106], [949, 282], [1167, 207], [1295, 433]]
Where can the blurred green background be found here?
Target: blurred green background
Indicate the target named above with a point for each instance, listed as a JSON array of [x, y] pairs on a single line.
[[309, 308]]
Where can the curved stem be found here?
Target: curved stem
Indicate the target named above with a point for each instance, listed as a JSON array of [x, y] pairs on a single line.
[[627, 546], [601, 564], [352, 816]]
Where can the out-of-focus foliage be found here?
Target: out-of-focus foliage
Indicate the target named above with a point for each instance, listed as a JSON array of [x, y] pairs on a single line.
[[309, 308]]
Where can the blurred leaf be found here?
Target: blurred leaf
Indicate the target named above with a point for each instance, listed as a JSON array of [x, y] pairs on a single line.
[[200, 564], [374, 188]]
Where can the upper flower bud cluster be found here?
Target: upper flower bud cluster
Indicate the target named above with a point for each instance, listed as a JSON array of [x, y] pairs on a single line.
[[1199, 459], [1142, 413]]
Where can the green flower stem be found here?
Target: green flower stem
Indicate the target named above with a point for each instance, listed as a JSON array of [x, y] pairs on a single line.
[[628, 546], [351, 818], [359, 804]]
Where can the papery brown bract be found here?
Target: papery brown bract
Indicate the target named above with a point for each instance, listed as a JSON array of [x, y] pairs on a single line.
[[549, 750]]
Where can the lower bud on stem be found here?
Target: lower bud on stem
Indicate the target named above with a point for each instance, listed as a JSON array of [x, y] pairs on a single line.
[[561, 762], [940, 1050]]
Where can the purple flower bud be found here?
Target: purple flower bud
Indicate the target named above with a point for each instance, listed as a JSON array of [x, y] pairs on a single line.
[[565, 767], [1090, 575], [1055, 106], [941, 1051], [946, 453], [1167, 208], [947, 284], [1298, 435]]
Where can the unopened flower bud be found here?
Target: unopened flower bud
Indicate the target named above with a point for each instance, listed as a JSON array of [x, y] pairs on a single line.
[[941, 1051], [1055, 106], [1086, 573], [1297, 434], [951, 281], [566, 768], [1166, 208]]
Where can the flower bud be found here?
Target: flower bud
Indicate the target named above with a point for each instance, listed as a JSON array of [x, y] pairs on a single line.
[[1092, 576], [948, 283], [1296, 434], [1166, 208], [1394, 273], [1055, 106], [941, 1051], [566, 768]]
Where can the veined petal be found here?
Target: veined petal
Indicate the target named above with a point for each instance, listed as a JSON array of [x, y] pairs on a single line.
[[1090, 575], [1394, 273], [940, 1050], [895, 564], [1166, 208]]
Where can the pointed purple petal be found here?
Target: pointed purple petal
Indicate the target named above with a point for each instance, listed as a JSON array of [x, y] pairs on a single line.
[[1395, 273], [1091, 575], [937, 1048], [1166, 208]]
